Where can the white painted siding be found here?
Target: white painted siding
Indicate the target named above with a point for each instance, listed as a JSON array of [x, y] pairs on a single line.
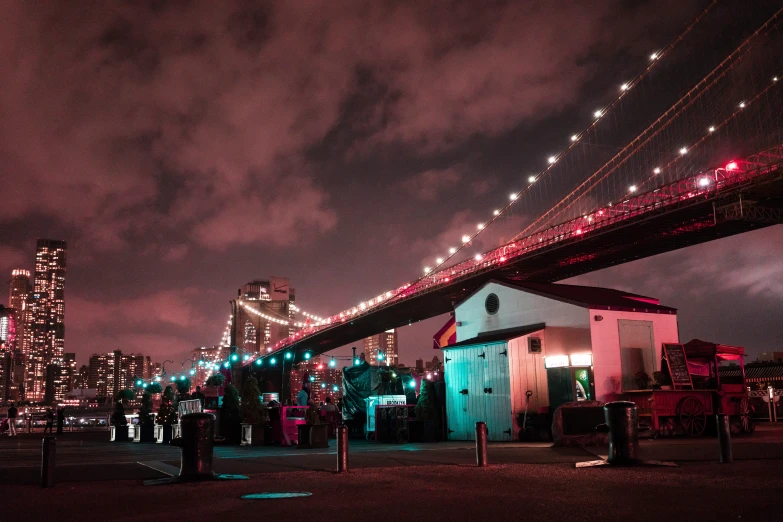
[[605, 340], [517, 309], [527, 373]]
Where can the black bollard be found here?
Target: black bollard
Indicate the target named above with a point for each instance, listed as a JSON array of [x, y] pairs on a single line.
[[724, 438], [49, 447], [342, 449], [622, 421], [197, 443], [481, 444]]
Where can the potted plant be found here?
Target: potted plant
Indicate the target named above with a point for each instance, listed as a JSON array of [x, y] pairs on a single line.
[[230, 419], [144, 431], [313, 433], [662, 380], [424, 428], [642, 380], [167, 416], [119, 424], [254, 414]]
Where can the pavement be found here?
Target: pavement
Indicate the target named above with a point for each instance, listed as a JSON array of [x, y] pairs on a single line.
[[98, 479]]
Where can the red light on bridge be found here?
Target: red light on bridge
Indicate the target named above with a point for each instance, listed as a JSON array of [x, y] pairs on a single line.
[[732, 166], [578, 231], [446, 279], [502, 259]]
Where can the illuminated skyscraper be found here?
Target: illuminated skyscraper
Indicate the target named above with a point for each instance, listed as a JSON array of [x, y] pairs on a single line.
[[47, 307], [381, 349], [263, 313], [18, 299]]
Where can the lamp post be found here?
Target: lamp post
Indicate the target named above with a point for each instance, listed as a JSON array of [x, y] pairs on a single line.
[[163, 368]]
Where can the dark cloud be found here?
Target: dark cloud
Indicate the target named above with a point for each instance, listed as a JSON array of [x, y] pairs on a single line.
[[197, 145]]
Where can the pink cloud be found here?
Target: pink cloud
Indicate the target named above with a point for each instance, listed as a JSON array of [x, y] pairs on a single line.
[[432, 184]]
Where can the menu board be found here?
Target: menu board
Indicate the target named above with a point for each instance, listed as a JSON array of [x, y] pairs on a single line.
[[678, 365]]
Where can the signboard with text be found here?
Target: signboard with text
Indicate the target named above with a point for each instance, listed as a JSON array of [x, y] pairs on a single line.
[[278, 288], [678, 365]]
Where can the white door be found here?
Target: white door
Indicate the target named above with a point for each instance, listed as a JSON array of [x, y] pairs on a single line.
[[456, 375], [637, 350], [497, 393]]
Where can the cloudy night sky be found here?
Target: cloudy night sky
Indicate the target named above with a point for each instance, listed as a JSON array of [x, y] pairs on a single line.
[[185, 148]]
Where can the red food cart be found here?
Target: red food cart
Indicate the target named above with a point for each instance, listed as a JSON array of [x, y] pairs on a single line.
[[698, 390]]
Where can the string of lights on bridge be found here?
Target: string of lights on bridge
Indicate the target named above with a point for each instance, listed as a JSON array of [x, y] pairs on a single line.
[[479, 258], [654, 59]]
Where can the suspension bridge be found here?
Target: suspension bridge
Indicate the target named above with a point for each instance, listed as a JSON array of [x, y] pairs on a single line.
[[704, 161]]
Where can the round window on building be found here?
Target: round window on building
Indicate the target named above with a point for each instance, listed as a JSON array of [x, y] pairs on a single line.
[[492, 304]]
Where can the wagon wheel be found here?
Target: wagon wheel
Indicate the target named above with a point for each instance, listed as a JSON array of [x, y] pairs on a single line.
[[745, 417], [693, 417], [666, 426]]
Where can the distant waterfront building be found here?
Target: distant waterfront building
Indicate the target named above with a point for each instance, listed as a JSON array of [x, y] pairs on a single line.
[[325, 381], [7, 329], [381, 349], [81, 379], [771, 356], [18, 299], [112, 372], [262, 314], [428, 366], [208, 356], [48, 319]]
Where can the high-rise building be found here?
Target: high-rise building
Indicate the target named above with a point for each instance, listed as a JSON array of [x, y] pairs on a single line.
[[381, 349], [47, 307], [18, 299], [325, 380], [7, 329], [205, 359], [262, 314], [81, 379], [112, 372], [69, 370]]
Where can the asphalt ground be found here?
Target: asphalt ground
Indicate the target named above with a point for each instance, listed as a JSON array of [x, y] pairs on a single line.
[[745, 490], [99, 480], [89, 457]]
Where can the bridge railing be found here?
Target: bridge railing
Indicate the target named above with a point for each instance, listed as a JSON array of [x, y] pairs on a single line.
[[665, 197]]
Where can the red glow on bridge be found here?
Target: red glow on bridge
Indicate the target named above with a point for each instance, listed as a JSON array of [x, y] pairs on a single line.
[[732, 166]]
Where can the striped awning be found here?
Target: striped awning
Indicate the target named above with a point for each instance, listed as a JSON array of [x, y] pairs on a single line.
[[770, 372]]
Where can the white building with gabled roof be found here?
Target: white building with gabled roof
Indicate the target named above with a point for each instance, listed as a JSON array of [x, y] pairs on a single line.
[[562, 343]]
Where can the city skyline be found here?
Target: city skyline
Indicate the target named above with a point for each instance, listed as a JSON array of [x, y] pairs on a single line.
[[177, 191]]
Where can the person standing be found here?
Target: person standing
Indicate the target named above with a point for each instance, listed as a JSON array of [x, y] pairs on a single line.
[[49, 421], [200, 396], [302, 397], [12, 413], [60, 420]]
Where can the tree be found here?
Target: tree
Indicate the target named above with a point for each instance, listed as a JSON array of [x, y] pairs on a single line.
[[145, 412], [155, 387], [253, 410], [118, 417], [215, 380], [167, 415], [425, 407], [183, 387], [230, 420], [125, 395]]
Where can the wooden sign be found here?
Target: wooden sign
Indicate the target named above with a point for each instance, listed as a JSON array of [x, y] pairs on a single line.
[[678, 365]]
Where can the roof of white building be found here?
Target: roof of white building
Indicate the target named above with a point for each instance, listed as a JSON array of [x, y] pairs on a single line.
[[588, 296]]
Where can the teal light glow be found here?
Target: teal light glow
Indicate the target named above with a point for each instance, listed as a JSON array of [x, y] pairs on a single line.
[[288, 355], [259, 362], [307, 356], [226, 364], [272, 361], [234, 357]]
